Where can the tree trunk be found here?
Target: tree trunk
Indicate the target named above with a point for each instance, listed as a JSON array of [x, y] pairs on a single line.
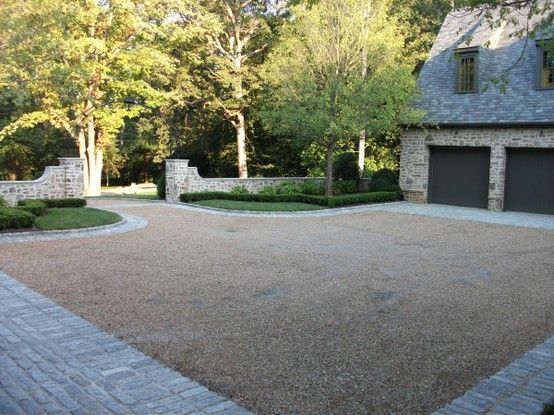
[[93, 160], [240, 127], [361, 153], [329, 169]]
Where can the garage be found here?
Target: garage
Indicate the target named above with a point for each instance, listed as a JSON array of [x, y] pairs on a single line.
[[459, 176], [529, 183]]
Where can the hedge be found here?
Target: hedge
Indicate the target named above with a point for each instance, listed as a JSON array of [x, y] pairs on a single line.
[[64, 203], [12, 218], [36, 207], [333, 201]]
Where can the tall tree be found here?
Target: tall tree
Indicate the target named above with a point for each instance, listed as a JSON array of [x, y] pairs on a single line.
[[74, 64], [237, 33], [319, 91]]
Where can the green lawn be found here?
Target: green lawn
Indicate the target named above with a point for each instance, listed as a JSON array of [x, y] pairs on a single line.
[[73, 218], [258, 206]]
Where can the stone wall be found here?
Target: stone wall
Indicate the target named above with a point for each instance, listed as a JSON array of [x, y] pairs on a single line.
[[180, 178], [63, 181], [414, 156]]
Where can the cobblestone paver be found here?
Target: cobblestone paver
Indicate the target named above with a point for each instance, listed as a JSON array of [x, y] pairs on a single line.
[[522, 388], [54, 362], [128, 224]]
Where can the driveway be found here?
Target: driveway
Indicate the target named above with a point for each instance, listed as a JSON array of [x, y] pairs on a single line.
[[363, 312]]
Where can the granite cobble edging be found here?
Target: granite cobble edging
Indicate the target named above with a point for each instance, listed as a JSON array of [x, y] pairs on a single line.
[[54, 362], [128, 224], [521, 388]]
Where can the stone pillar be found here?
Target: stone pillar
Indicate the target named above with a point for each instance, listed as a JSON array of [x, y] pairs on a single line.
[[74, 181], [176, 172], [496, 177]]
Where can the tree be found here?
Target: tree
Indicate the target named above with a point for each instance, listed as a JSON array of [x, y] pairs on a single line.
[[73, 64], [236, 31], [317, 88]]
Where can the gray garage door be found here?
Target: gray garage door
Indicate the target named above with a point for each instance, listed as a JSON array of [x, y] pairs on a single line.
[[529, 180], [459, 176]]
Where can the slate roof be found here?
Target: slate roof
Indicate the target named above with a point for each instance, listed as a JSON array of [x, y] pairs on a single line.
[[522, 102]]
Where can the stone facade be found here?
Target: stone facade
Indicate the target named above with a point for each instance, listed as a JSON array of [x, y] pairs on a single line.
[[414, 157], [180, 178], [63, 181]]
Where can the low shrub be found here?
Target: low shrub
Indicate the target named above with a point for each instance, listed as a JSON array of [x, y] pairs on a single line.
[[36, 207], [239, 190], [287, 188], [3, 202], [65, 203], [160, 187], [312, 187], [341, 187], [384, 180], [333, 201], [14, 218], [345, 167], [267, 190]]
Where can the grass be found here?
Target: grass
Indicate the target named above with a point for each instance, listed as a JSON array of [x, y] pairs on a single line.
[[75, 218], [257, 206]]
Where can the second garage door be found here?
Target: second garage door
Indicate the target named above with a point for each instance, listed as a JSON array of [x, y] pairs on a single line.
[[459, 176], [529, 180]]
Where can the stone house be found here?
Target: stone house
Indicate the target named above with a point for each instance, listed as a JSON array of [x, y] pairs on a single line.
[[485, 144]]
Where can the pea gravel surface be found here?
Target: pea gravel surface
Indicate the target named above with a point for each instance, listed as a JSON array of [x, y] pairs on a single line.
[[369, 312]]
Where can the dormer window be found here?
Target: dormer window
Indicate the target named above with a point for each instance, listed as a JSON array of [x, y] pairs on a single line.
[[546, 67], [467, 74]]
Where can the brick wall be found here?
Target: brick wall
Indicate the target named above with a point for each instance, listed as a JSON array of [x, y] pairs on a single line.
[[65, 180], [414, 156]]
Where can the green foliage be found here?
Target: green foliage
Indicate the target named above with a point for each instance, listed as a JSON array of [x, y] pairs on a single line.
[[36, 207], [160, 187], [239, 190], [65, 203], [346, 167], [332, 201], [258, 206], [267, 190], [312, 187], [548, 409], [384, 180], [341, 187], [3, 202], [287, 188], [14, 218]]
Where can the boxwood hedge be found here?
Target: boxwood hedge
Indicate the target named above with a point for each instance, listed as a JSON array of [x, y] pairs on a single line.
[[65, 203], [36, 207], [13, 218], [333, 201]]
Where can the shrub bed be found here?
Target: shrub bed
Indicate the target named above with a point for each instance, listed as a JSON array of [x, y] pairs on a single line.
[[64, 203], [14, 218], [333, 201], [36, 207]]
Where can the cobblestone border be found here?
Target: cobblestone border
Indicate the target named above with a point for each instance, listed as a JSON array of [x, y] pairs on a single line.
[[127, 224], [523, 387], [54, 362]]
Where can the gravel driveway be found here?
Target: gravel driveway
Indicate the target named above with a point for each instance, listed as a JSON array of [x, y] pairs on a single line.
[[358, 313]]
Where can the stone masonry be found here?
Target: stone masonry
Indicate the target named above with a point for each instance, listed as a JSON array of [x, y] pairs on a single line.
[[180, 178], [63, 181], [414, 157]]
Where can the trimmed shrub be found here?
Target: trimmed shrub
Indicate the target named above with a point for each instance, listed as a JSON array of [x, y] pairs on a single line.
[[333, 201], [239, 190], [384, 180], [3, 202], [64, 203], [287, 188], [160, 187], [267, 190], [312, 187], [341, 187], [14, 218], [36, 207], [345, 167]]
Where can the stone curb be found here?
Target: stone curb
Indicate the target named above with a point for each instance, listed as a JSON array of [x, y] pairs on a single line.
[[127, 224]]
